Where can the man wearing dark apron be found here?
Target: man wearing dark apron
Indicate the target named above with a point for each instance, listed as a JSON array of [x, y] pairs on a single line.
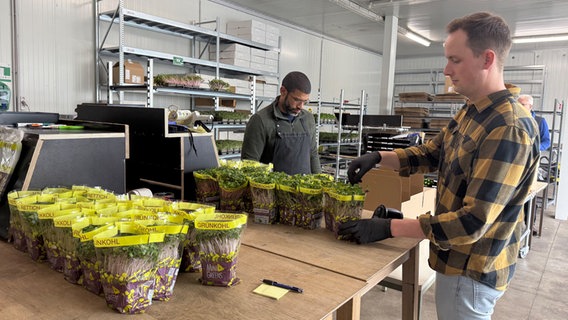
[[283, 133]]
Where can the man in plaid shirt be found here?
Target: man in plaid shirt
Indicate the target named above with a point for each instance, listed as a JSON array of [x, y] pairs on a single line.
[[487, 158]]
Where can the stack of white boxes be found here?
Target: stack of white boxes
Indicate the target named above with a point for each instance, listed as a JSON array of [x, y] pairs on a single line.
[[234, 54], [267, 87], [260, 32]]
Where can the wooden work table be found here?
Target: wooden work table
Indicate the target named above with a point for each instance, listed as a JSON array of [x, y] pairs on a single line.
[[33, 290], [334, 275], [370, 263]]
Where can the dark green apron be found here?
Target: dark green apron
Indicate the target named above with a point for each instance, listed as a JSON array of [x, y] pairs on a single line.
[[292, 151]]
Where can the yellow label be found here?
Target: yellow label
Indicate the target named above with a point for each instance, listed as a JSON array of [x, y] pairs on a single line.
[[341, 197], [286, 188], [203, 176], [310, 191], [266, 186], [66, 221], [220, 221]]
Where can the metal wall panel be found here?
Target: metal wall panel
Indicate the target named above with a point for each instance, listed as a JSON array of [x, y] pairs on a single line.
[[353, 70], [5, 33]]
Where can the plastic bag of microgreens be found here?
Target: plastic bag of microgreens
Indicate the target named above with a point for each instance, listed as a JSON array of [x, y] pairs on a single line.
[[346, 203], [128, 259], [310, 200], [85, 230], [206, 186], [287, 199], [28, 207], [233, 185], [16, 231], [219, 238], [263, 191], [189, 211], [69, 243], [169, 256], [151, 204], [251, 168], [10, 149], [52, 236]]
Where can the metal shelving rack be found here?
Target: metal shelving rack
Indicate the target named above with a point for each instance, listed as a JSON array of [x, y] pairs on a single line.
[[339, 108], [199, 38], [554, 153], [529, 78], [124, 17]]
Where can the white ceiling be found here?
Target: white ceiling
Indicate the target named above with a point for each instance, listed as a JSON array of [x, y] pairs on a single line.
[[425, 17]]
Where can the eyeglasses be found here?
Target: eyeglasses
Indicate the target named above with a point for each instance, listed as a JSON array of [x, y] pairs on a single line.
[[298, 100]]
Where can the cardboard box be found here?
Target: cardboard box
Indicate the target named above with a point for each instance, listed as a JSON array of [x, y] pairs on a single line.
[[247, 24], [272, 39], [236, 62], [230, 55], [270, 90], [231, 47], [272, 29], [257, 59], [209, 102], [271, 62], [133, 72], [388, 188], [254, 52], [274, 55], [254, 34], [257, 66]]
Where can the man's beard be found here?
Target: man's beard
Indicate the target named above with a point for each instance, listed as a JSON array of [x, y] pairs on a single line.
[[289, 109]]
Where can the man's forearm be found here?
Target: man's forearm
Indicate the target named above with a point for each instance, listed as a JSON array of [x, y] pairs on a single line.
[[389, 160], [409, 228]]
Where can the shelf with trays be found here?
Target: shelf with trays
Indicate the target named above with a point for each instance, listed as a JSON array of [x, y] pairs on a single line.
[[197, 36], [529, 78], [340, 126], [428, 116]]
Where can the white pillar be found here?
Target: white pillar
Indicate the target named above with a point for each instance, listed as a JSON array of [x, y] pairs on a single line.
[[388, 66]]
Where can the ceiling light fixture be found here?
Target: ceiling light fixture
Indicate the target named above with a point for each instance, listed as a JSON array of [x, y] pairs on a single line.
[[416, 38], [355, 8], [542, 38]]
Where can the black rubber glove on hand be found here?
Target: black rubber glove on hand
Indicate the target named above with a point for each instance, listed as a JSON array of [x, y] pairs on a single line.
[[360, 166], [365, 230]]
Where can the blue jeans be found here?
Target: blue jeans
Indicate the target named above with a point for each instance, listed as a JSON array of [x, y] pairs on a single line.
[[459, 297]]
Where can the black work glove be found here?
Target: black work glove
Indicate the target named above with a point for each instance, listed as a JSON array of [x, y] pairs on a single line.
[[387, 213], [360, 166], [365, 230]]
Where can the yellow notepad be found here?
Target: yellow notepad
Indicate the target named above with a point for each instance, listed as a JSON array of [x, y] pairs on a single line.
[[270, 291]]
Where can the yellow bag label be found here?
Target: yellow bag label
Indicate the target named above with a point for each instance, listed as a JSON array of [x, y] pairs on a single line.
[[220, 221], [203, 176], [111, 237], [310, 191], [66, 221], [286, 188], [266, 186]]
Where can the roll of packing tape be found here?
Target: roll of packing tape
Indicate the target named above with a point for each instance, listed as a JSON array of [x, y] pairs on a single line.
[[143, 192]]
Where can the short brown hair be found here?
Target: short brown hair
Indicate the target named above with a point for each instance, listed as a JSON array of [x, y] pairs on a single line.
[[485, 31], [297, 80]]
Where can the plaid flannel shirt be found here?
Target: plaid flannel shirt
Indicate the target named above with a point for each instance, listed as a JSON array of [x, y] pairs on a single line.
[[487, 158]]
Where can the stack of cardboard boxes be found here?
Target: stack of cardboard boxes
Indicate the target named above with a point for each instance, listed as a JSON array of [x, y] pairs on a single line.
[[260, 32], [234, 54]]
